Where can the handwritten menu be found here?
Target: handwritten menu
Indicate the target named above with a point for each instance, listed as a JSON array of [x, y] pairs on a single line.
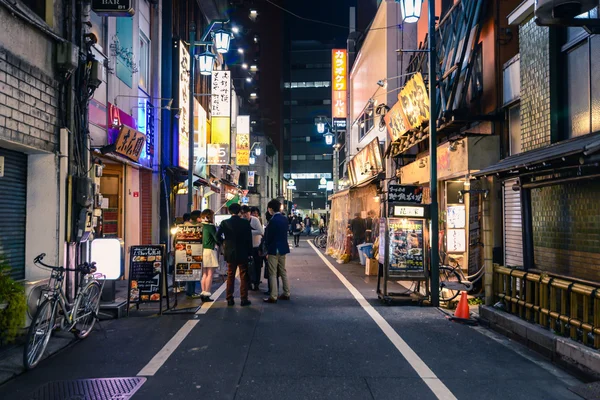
[[405, 246], [188, 253], [146, 273], [456, 217], [221, 92], [405, 193]]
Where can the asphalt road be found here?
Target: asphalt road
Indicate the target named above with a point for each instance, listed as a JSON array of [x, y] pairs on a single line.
[[333, 340]]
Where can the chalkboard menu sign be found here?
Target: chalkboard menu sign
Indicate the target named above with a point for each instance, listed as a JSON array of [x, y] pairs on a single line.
[[188, 253], [405, 193], [406, 247], [146, 274]]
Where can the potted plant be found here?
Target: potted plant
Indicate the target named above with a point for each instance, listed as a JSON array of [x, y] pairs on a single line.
[[13, 304]]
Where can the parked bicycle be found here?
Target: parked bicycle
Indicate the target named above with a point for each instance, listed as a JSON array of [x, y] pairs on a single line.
[[78, 317], [320, 241], [453, 280]]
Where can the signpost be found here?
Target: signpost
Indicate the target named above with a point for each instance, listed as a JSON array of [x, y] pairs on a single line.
[[113, 8]]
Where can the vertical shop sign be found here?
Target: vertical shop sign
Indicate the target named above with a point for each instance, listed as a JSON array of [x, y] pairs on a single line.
[[184, 88], [251, 175], [242, 140], [475, 253], [339, 67], [122, 48], [150, 129], [219, 148], [200, 135]]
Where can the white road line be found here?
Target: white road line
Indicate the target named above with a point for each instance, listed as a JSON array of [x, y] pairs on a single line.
[[435, 384], [206, 306], [163, 355]]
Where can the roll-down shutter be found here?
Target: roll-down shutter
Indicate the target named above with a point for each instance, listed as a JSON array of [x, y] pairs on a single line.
[[13, 205], [513, 228]]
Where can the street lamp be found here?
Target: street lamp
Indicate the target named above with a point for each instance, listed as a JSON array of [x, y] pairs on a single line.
[[411, 11], [252, 160], [328, 138], [222, 40], [206, 62], [257, 149], [321, 127]]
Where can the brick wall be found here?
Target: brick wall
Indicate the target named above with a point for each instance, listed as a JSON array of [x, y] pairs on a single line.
[[146, 206], [28, 104], [566, 229], [534, 45]]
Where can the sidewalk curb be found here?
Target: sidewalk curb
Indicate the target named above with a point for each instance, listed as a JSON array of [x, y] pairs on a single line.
[[574, 356]]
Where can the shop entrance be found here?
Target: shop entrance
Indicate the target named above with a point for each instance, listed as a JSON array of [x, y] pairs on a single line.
[[111, 187]]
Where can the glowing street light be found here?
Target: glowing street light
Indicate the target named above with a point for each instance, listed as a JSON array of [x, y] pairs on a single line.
[[411, 10], [206, 62], [222, 40]]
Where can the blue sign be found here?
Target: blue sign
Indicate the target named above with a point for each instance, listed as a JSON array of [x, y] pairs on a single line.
[[245, 200]]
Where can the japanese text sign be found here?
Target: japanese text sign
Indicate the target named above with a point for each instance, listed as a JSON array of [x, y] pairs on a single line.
[[221, 94], [130, 143], [339, 69], [251, 175], [405, 193], [242, 140], [415, 101], [184, 101]]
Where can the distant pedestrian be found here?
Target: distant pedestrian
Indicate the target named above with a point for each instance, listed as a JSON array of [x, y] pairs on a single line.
[[191, 288], [187, 219], [277, 249], [369, 222], [236, 236], [359, 232], [296, 230], [210, 256], [322, 225], [257, 235], [307, 225]]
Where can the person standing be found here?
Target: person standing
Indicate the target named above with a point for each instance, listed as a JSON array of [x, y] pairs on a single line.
[[191, 288], [322, 225], [358, 227], [296, 230], [257, 235], [307, 225], [210, 257], [369, 225], [236, 236], [277, 249]]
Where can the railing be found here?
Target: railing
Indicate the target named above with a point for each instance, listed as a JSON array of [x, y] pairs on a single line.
[[565, 307]]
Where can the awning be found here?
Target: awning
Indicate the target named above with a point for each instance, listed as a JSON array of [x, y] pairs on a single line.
[[339, 194], [583, 145], [366, 182]]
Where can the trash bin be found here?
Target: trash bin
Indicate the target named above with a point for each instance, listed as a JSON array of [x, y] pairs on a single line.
[[365, 251]]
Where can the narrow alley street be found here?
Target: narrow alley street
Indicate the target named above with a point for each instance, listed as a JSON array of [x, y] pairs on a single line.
[[328, 342]]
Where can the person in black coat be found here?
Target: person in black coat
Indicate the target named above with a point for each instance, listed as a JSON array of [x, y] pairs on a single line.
[[235, 235]]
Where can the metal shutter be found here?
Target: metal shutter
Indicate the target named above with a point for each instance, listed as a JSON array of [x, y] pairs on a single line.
[[13, 204], [513, 228]]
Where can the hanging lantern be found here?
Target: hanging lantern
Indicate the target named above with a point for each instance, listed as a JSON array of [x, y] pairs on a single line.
[[411, 10], [222, 40], [207, 62], [257, 150], [321, 127], [252, 160], [328, 138]]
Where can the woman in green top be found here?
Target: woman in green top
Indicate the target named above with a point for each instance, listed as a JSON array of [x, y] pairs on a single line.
[[210, 258]]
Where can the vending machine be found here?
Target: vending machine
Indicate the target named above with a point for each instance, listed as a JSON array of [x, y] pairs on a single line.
[[404, 247]]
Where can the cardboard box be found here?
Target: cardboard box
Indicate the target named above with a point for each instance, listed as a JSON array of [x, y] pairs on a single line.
[[371, 266]]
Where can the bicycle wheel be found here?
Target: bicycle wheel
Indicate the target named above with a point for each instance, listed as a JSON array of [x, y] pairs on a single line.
[[86, 310], [448, 276], [39, 334]]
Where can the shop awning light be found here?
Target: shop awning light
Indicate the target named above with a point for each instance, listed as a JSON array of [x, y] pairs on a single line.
[[411, 10], [206, 62], [222, 40]]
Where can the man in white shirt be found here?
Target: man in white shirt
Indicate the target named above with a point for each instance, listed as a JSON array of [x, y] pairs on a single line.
[[257, 234]]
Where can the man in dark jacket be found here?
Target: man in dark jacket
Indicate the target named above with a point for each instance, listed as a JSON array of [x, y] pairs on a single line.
[[236, 236], [358, 226], [277, 248]]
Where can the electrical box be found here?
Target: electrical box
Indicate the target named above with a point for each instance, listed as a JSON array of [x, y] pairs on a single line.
[[67, 57], [96, 74], [83, 191]]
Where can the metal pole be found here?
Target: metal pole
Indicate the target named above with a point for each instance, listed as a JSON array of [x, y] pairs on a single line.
[[191, 121], [435, 264]]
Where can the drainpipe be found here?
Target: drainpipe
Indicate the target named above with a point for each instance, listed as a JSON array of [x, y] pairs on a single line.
[[488, 241]]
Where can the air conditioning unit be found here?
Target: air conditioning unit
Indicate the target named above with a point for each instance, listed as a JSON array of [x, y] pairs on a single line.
[[33, 292], [562, 9]]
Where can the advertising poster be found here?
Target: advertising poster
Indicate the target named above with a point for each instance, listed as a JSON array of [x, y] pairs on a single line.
[[251, 175], [188, 253], [406, 246], [415, 101], [146, 273]]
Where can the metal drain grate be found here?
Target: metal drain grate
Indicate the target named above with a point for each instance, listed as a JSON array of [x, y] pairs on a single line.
[[89, 389], [589, 391]]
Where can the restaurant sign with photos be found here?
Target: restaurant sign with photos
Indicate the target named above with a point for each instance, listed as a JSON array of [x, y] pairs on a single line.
[[188, 253], [366, 164], [147, 275]]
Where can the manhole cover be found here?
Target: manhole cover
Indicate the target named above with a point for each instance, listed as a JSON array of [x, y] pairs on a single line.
[[589, 391], [89, 389]]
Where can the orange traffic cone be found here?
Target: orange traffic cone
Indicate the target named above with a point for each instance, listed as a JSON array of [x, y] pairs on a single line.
[[462, 313]]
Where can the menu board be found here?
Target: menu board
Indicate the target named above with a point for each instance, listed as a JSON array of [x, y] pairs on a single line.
[[145, 273], [456, 217], [188, 253], [406, 247]]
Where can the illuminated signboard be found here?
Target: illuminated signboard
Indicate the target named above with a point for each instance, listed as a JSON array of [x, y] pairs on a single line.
[[200, 133], [339, 69], [366, 163], [219, 148], [251, 175], [242, 140], [184, 100], [409, 211]]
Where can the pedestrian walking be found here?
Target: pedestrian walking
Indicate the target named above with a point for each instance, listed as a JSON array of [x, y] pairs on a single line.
[[277, 249], [210, 256], [307, 225], [235, 235], [257, 235], [191, 288], [296, 230], [358, 227]]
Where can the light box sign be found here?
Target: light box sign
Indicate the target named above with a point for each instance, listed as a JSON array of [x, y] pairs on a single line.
[[367, 163], [396, 122], [251, 175], [184, 100], [108, 256], [415, 101], [114, 8], [242, 140], [200, 135], [219, 148], [339, 85], [409, 211]]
